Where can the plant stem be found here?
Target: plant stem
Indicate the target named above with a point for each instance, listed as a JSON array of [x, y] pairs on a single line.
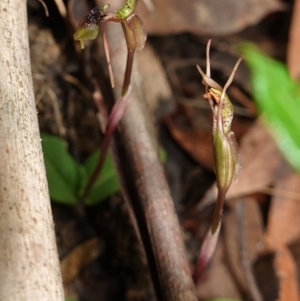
[[206, 252], [217, 216], [113, 121], [119, 107], [211, 239]]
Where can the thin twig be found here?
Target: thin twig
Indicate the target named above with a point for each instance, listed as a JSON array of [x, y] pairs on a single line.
[[287, 194], [61, 8], [73, 80], [45, 7], [253, 288]]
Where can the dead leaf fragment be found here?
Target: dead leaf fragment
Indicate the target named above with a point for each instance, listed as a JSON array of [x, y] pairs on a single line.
[[283, 218], [293, 58], [259, 160], [209, 17], [191, 128], [78, 257], [286, 270], [243, 235], [196, 142]]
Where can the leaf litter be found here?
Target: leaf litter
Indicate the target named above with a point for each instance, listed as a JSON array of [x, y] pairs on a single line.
[[267, 186]]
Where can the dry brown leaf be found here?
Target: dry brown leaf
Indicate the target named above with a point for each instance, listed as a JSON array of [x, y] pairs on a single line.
[[259, 161], [243, 228], [287, 274], [210, 17], [196, 142], [286, 270], [283, 218], [293, 58], [295, 250], [191, 129], [78, 257]]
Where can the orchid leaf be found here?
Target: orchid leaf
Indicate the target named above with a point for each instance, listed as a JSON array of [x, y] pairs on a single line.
[[107, 182], [64, 174]]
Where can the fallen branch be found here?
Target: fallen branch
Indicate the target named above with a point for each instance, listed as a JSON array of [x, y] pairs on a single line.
[[142, 177]]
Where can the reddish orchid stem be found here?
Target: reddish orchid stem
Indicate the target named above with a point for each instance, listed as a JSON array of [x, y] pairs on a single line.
[[210, 241], [113, 121], [217, 217], [119, 107], [207, 250]]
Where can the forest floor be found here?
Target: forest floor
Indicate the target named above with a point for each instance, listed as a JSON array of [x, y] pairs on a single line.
[[258, 254]]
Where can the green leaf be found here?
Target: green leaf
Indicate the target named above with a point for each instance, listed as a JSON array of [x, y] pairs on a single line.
[[70, 299], [64, 174], [278, 97], [107, 182], [162, 154]]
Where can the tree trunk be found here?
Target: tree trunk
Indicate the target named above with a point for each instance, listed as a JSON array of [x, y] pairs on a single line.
[[29, 266]]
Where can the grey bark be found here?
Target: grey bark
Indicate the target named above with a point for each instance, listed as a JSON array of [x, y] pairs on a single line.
[[29, 266]]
